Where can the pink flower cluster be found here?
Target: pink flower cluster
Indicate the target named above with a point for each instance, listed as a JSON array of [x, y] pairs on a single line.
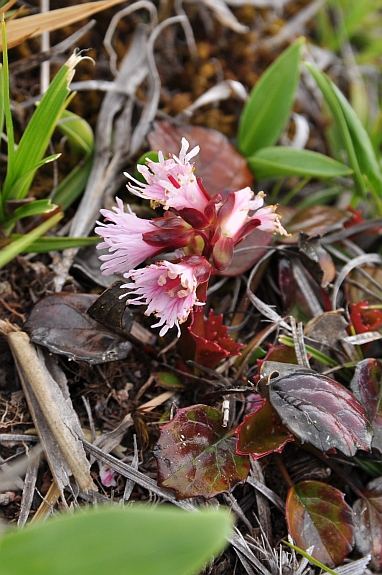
[[204, 230]]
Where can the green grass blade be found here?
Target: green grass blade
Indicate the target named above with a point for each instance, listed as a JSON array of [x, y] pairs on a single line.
[[331, 99], [17, 247], [278, 161], [2, 111], [267, 110], [47, 244], [311, 559], [36, 137], [35, 208], [363, 146], [121, 541]]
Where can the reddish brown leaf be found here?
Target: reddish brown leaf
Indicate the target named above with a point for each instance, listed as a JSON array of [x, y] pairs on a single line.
[[248, 252], [316, 408], [314, 221], [218, 163], [367, 387], [262, 433], [317, 514], [196, 455], [60, 323], [368, 521]]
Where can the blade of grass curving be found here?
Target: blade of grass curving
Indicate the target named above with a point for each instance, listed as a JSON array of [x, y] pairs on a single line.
[[351, 141], [15, 248], [268, 108], [311, 559], [36, 137], [34, 208], [362, 143], [275, 161], [48, 244]]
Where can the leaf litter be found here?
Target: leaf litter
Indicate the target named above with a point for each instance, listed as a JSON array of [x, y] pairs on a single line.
[[97, 356]]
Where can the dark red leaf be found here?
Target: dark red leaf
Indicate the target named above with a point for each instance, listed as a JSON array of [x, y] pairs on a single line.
[[262, 433], [196, 455], [213, 343], [218, 163], [317, 514], [60, 323], [316, 408], [367, 387], [368, 521]]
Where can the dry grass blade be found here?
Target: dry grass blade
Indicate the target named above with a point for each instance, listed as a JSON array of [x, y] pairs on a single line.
[[20, 30], [10, 476], [28, 492], [359, 261], [53, 414]]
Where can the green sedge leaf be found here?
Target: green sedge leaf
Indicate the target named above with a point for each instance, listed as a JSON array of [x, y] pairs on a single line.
[[267, 110], [34, 209], [21, 244], [47, 244], [331, 98], [36, 137], [136, 540], [278, 161]]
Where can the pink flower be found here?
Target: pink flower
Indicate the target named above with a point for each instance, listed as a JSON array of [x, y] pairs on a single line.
[[233, 223], [171, 183], [169, 289], [234, 219], [107, 475], [124, 239], [131, 240]]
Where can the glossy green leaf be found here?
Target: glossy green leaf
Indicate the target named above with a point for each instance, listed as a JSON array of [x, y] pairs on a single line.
[[196, 454], [317, 514], [122, 541], [268, 108], [278, 161], [78, 131]]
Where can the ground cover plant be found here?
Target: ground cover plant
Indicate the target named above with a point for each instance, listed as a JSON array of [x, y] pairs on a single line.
[[190, 286]]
